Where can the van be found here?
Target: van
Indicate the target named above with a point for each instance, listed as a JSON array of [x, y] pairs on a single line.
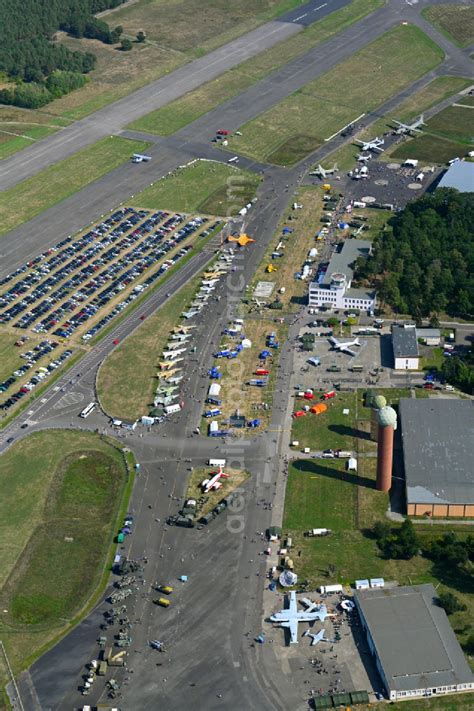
[[295, 443], [449, 388], [216, 462]]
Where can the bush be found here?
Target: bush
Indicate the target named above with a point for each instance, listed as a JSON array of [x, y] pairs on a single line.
[[126, 45], [450, 603]]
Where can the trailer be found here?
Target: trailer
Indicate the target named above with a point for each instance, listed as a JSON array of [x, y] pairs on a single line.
[[330, 589]]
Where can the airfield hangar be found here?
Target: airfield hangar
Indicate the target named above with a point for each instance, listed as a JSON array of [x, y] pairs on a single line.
[[412, 642], [438, 455]]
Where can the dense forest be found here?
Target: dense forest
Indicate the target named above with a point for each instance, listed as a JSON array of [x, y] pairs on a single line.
[[43, 70], [424, 264]]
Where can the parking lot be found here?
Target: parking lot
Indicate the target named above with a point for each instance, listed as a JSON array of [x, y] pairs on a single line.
[[337, 368], [74, 289]]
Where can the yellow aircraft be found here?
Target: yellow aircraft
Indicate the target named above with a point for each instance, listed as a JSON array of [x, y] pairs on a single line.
[[242, 240], [270, 268], [169, 374]]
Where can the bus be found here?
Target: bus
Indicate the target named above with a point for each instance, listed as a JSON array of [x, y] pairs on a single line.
[[87, 410]]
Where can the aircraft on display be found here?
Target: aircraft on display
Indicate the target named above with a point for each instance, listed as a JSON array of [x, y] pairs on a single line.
[[167, 391], [363, 159], [410, 127], [290, 617], [168, 375], [172, 355], [182, 329], [344, 346], [213, 483], [321, 172], [373, 145], [315, 638], [164, 364]]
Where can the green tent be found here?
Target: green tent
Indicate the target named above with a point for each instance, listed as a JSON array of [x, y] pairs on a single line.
[[322, 702], [359, 697], [341, 700]]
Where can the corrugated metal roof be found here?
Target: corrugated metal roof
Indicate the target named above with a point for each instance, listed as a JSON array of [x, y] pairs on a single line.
[[414, 640], [438, 449], [459, 176]]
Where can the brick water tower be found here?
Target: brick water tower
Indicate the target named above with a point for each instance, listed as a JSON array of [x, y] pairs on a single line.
[[377, 403], [387, 424]]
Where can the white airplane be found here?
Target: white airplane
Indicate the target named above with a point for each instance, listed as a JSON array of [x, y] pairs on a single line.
[[173, 346], [213, 483], [344, 347], [363, 159], [410, 127], [180, 336], [315, 638], [373, 145], [321, 172], [290, 617], [174, 379], [172, 355]]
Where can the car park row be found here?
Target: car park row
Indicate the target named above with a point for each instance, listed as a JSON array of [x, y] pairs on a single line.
[[127, 249]]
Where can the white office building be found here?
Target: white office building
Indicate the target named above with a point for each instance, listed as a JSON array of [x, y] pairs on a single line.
[[333, 290]]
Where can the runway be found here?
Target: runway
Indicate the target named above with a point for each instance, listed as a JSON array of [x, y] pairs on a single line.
[[114, 117]]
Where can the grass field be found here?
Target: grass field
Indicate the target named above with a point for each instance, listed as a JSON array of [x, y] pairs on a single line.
[[177, 32], [61, 495], [48, 187], [206, 502], [455, 21], [19, 128], [127, 378], [332, 429], [320, 494], [429, 149], [316, 111], [455, 123], [204, 186], [295, 247], [188, 108], [456, 702], [431, 95]]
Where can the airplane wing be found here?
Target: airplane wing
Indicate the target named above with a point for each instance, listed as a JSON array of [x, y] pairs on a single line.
[[293, 606], [309, 604], [292, 625], [317, 637], [333, 340], [347, 350]]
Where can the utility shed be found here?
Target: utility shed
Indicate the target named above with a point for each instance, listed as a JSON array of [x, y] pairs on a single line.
[[438, 456], [415, 649], [405, 347], [429, 336]]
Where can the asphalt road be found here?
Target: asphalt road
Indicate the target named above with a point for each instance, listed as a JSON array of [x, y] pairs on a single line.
[[211, 659], [119, 114], [213, 608]]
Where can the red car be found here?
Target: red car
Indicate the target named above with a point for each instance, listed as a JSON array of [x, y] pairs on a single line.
[[223, 132], [329, 395], [116, 341]]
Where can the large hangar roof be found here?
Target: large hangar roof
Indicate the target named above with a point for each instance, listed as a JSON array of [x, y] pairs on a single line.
[[438, 449]]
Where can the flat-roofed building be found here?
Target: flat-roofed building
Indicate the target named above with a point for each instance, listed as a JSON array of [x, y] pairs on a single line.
[[413, 644], [405, 347], [438, 456]]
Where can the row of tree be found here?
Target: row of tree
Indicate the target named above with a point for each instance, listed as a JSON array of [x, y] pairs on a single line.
[[424, 264], [42, 69]]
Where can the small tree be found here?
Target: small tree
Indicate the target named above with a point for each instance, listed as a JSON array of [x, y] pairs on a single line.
[[141, 36], [381, 530], [126, 45], [450, 603], [333, 322]]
